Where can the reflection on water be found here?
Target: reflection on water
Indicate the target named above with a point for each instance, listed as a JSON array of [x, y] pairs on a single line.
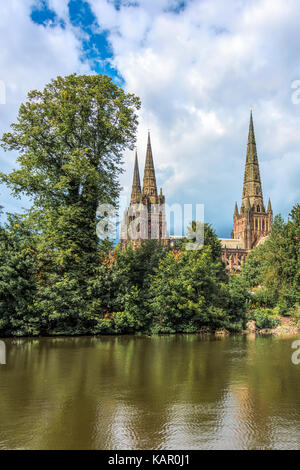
[[174, 392]]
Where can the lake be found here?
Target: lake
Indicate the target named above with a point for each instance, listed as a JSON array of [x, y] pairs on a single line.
[[171, 392]]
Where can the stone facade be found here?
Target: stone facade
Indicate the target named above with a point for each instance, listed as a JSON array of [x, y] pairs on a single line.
[[252, 224], [145, 217]]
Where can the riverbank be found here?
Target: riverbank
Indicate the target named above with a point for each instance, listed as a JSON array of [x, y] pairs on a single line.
[[287, 327]]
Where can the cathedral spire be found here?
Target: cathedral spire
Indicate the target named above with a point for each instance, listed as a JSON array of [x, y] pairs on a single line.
[[269, 206], [252, 183], [149, 183], [136, 184]]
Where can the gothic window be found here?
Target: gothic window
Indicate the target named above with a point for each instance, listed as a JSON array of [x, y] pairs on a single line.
[[258, 209], [263, 225], [256, 224]]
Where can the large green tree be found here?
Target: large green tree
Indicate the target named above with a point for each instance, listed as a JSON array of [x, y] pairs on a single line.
[[70, 138]]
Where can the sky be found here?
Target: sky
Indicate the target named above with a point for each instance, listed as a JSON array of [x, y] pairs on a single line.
[[197, 65]]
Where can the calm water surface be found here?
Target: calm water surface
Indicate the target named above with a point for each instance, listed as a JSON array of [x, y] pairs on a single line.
[[175, 392]]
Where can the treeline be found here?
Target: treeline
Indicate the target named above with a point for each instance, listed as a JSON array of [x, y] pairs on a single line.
[[272, 274], [56, 277], [147, 290]]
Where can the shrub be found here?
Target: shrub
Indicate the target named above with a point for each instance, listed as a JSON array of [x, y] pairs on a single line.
[[264, 298], [265, 318]]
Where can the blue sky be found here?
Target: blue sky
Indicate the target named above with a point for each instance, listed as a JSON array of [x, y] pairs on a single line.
[[96, 48], [197, 65]]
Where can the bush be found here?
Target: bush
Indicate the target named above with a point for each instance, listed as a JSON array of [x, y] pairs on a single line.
[[265, 318], [264, 298]]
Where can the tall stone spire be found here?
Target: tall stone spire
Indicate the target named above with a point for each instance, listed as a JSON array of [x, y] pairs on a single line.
[[252, 182], [136, 184], [149, 183], [252, 224]]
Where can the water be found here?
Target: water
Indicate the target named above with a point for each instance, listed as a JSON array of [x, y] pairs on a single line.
[[174, 392]]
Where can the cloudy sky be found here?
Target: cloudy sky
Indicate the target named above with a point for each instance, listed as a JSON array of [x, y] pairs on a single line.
[[197, 65]]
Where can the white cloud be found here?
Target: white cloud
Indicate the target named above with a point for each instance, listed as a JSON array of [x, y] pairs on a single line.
[[198, 73], [60, 7]]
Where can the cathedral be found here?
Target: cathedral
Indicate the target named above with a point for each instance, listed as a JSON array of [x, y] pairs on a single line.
[[145, 217], [252, 223]]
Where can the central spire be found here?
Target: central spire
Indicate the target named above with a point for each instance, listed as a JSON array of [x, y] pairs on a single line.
[[252, 183], [149, 183]]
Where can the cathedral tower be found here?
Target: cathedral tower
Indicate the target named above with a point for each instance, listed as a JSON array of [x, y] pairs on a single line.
[[145, 217], [253, 222]]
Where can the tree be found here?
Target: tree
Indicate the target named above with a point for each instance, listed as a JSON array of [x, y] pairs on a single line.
[[122, 282], [186, 294], [210, 237], [70, 138], [275, 265], [253, 271]]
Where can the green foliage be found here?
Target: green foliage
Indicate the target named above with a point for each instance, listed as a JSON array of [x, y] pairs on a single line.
[[253, 269], [296, 314], [124, 284], [18, 281], [186, 294], [264, 318], [237, 302], [70, 138], [263, 297], [275, 265], [210, 237]]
